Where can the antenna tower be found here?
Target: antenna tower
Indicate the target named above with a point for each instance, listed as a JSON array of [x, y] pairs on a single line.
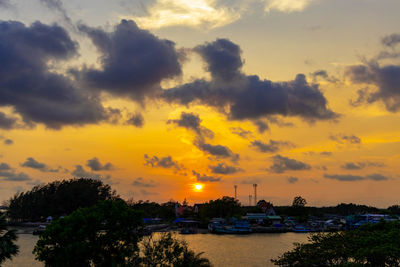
[[235, 191], [255, 194]]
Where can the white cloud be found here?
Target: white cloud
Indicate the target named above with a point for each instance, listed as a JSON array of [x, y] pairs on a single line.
[[192, 13], [208, 14], [286, 5]]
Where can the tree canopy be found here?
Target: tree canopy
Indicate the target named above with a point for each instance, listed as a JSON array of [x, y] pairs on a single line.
[[299, 202], [8, 248], [102, 235], [223, 207], [57, 198], [371, 245]]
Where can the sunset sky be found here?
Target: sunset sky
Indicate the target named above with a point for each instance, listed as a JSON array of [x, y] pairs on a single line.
[[152, 97]]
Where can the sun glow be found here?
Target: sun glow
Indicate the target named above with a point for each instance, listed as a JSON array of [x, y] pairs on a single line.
[[194, 13], [198, 187]]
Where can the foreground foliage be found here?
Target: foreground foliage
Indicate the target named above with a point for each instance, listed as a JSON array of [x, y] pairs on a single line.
[[8, 248], [168, 251], [108, 234], [57, 198], [101, 235], [371, 245]]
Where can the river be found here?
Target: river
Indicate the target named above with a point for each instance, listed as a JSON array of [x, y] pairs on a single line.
[[222, 250]]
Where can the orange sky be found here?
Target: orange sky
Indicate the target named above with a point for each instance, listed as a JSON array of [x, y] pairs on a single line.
[[317, 145]]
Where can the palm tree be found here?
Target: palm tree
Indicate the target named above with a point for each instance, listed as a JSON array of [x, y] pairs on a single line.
[[7, 237]]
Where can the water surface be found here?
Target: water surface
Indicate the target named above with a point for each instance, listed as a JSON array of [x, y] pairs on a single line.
[[222, 250]]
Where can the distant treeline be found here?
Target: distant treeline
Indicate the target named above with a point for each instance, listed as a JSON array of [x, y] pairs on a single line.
[[341, 209], [57, 198], [63, 197]]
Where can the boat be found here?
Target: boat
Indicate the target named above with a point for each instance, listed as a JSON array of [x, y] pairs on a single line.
[[39, 230], [240, 227], [188, 231], [302, 229]]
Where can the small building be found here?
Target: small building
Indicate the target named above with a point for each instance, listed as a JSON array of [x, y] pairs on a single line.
[[49, 219], [266, 207], [263, 219], [197, 208]]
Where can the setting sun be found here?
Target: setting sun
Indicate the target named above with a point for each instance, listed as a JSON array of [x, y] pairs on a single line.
[[198, 187]]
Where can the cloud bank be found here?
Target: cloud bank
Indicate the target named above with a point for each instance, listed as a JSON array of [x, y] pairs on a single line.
[[242, 97]]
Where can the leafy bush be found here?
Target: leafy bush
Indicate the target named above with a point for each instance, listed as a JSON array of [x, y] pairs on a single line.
[[371, 245]]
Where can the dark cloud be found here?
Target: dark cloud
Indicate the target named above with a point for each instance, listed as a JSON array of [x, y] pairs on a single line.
[[391, 40], [223, 59], [133, 61], [34, 164], [353, 166], [218, 151], [324, 168], [292, 180], [192, 122], [222, 168], [278, 121], [282, 164], [346, 139], [360, 165], [95, 165], [386, 79], [6, 122], [140, 182], [353, 178], [136, 120], [9, 174], [4, 167], [323, 153], [248, 97], [271, 147], [15, 177], [362, 97], [376, 177], [205, 178], [114, 115], [80, 172], [262, 126], [241, 132], [8, 142], [164, 162], [323, 74], [28, 85]]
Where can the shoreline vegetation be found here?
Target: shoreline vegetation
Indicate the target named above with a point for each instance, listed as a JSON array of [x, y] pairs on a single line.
[[85, 221]]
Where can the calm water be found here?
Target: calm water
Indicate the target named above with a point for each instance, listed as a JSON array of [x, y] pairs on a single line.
[[222, 250]]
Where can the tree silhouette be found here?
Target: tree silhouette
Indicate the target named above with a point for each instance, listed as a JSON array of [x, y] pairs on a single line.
[[299, 202], [8, 248], [102, 235]]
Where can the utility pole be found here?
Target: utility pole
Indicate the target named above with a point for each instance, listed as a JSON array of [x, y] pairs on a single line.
[[250, 200], [255, 194], [235, 191]]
